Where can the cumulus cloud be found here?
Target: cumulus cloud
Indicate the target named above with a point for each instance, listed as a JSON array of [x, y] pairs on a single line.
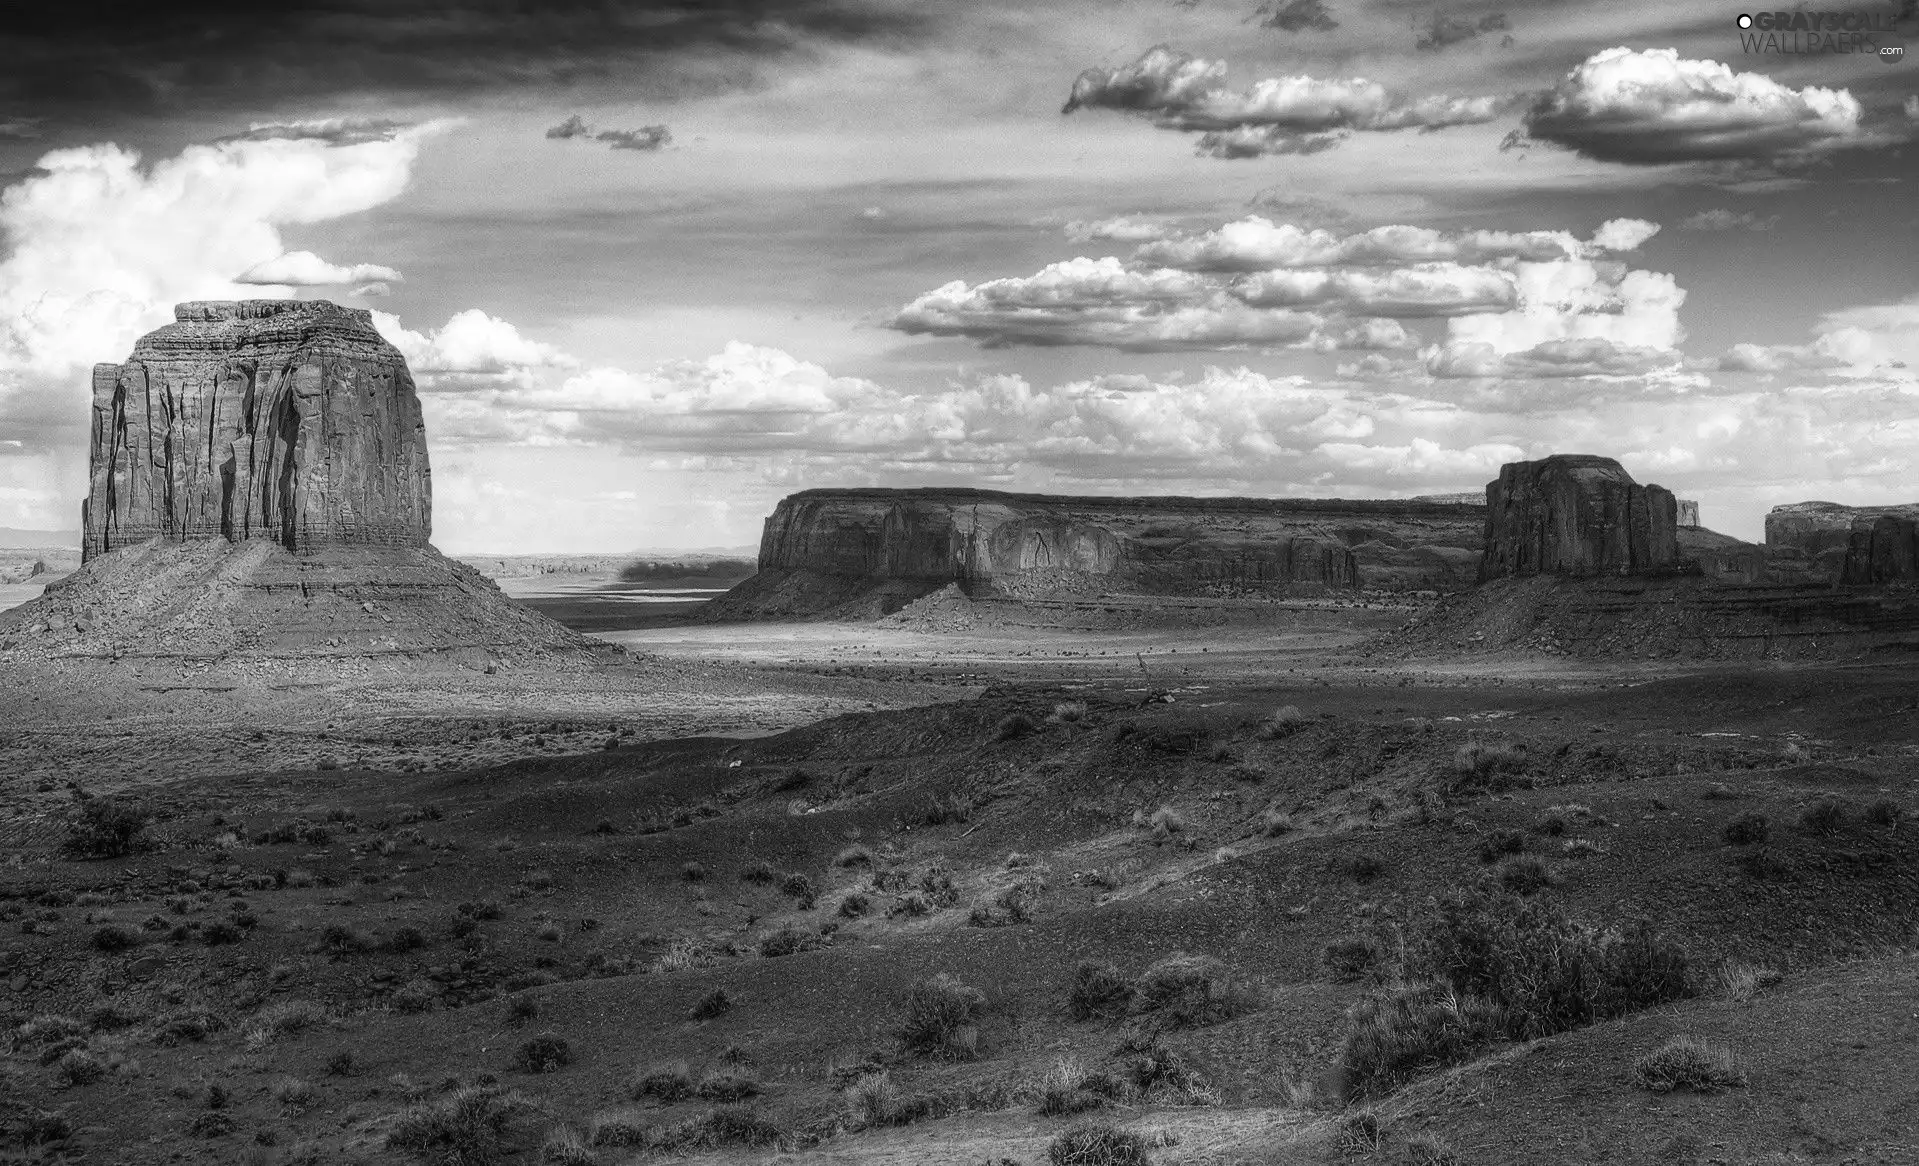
[[1122, 229], [1433, 289], [1623, 234], [471, 350], [1653, 106], [1879, 340], [1280, 115], [1551, 359], [1256, 243], [1296, 16], [647, 138], [1720, 219], [100, 245], [305, 269], [334, 131]]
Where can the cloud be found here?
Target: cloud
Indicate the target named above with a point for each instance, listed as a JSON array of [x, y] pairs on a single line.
[[1122, 229], [20, 128], [1551, 359], [1623, 234], [1651, 107], [1282, 115], [1445, 29], [1720, 219], [1912, 107], [305, 269], [372, 291], [1879, 340], [471, 350], [206, 54], [645, 138], [1255, 243], [1433, 289], [100, 246], [1297, 16], [333, 131], [1579, 299]]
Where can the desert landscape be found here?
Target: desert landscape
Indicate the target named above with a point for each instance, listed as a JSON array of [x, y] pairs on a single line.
[[958, 826]]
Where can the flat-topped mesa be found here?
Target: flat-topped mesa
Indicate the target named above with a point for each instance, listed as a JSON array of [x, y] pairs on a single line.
[[1881, 550], [288, 420], [878, 548], [1578, 515]]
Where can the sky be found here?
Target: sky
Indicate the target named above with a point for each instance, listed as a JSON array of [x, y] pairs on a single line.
[[657, 264]]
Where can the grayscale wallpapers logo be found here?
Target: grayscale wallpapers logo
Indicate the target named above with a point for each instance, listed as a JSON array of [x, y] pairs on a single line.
[[1804, 33]]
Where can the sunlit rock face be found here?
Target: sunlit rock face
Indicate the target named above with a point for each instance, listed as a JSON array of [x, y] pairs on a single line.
[[1577, 515], [288, 420], [1881, 550], [1834, 542]]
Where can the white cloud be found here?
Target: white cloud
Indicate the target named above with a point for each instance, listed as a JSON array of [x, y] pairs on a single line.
[[1430, 289], [1623, 234], [470, 348], [1277, 115], [100, 247], [1650, 107], [305, 269], [1123, 229], [1580, 299], [1258, 244], [1880, 340], [1720, 219]]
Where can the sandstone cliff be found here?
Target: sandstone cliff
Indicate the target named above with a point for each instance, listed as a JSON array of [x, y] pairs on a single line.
[[878, 549], [287, 420], [1577, 515], [1881, 550], [1818, 536]]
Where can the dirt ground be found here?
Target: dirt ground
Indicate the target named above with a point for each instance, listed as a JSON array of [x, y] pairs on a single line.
[[359, 903]]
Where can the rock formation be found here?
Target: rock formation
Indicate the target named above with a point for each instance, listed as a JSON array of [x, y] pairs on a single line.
[[1818, 536], [1881, 550], [1577, 515], [1688, 512], [822, 549], [289, 420]]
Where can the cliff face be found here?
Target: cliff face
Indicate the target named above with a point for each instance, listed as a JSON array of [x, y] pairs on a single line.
[[1819, 535], [263, 419], [821, 548], [1577, 515], [1882, 550]]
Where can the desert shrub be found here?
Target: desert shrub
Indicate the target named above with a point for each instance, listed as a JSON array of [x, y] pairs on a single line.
[[343, 940], [478, 1125], [1546, 971], [105, 827], [800, 889], [1525, 874], [342, 1064], [78, 1067], [854, 856], [1884, 812], [1582, 848], [563, 1145], [685, 954], [1765, 864], [286, 1018], [416, 995], [1097, 1144], [402, 940], [694, 872], [1393, 1035], [114, 1016], [1823, 816], [1274, 823], [1550, 824], [1284, 722], [1190, 990], [912, 903], [1068, 712], [1160, 1076], [1363, 867], [193, 1024], [937, 884], [941, 1016], [1098, 991], [47, 1028], [955, 807], [718, 1085], [668, 1081], [790, 940], [292, 831], [714, 1004], [855, 904], [545, 1053], [1747, 830], [1688, 1062], [293, 1093], [1429, 1149], [1352, 958], [29, 1126], [1496, 844], [521, 1009], [1063, 1091], [1488, 762], [116, 937], [1360, 1133], [213, 1124], [1741, 981], [1013, 726], [550, 931], [728, 1125], [1165, 822]]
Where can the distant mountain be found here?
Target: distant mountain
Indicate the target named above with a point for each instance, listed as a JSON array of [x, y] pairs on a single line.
[[14, 537]]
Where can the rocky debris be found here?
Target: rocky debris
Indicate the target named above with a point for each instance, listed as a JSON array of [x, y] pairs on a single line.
[[1688, 512], [864, 553], [209, 598], [1882, 550], [1577, 515], [1819, 535], [288, 420]]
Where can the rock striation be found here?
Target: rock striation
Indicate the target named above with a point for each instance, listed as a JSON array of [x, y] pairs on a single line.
[[1819, 537], [823, 550], [288, 420], [1577, 515]]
